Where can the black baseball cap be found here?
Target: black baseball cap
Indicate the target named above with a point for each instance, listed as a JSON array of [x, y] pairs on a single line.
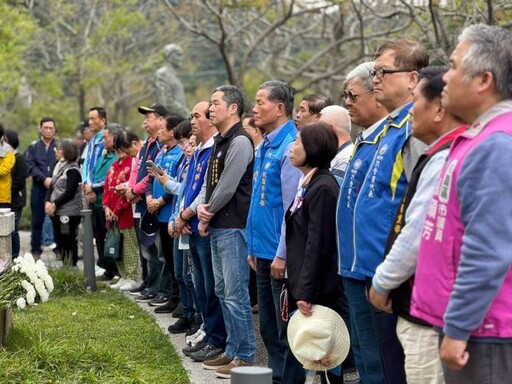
[[159, 109]]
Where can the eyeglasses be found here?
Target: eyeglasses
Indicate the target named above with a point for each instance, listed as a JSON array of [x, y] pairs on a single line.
[[353, 96], [379, 73]]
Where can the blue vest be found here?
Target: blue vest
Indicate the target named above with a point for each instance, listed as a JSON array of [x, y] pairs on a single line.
[[195, 178], [169, 161], [266, 211], [374, 184]]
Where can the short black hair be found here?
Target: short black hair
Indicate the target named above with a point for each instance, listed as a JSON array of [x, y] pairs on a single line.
[[434, 82], [316, 102], [232, 95], [124, 140], [320, 144], [101, 112], [172, 121], [10, 136], [183, 130], [69, 150], [1, 130], [280, 92], [47, 119]]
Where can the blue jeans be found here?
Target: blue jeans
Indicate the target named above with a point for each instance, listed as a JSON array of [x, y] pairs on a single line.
[[231, 272], [184, 278], [48, 237], [37, 197], [378, 353], [271, 324], [15, 236], [204, 285]]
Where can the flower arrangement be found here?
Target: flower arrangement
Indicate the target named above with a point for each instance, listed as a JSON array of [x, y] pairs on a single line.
[[24, 282]]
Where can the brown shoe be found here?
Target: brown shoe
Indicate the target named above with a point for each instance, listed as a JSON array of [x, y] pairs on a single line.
[[218, 362], [225, 372]]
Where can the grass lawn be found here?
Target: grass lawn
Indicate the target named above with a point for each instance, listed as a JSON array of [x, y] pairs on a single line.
[[80, 337]]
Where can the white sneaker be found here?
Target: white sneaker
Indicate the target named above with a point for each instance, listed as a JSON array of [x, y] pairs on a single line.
[[98, 271], [128, 285], [118, 284], [49, 247], [196, 337]]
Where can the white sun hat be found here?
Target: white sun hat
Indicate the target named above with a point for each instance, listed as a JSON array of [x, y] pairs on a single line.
[[319, 342]]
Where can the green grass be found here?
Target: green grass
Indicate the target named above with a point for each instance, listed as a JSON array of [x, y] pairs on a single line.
[[80, 337]]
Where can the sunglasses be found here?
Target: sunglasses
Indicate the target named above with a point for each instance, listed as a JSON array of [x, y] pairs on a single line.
[[353, 96]]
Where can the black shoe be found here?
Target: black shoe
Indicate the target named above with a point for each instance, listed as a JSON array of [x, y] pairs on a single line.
[[181, 326], [193, 348], [194, 328], [209, 352], [137, 291], [145, 298], [178, 312], [158, 301], [167, 307]]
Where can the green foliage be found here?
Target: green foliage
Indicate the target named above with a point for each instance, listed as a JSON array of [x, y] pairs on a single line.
[[98, 338], [67, 282]]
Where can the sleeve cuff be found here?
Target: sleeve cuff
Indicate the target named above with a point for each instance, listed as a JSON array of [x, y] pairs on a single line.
[[456, 333], [379, 289]]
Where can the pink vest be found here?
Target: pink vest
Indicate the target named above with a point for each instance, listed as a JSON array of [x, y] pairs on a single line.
[[441, 245]]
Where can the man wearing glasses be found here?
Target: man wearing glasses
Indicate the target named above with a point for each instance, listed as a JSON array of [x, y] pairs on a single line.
[[375, 182]]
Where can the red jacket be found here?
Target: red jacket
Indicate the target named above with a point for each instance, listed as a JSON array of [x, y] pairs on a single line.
[[119, 173]]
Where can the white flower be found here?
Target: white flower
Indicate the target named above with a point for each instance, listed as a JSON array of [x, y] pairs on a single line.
[[49, 283], [29, 258], [21, 303], [31, 297], [41, 290], [26, 285], [44, 296]]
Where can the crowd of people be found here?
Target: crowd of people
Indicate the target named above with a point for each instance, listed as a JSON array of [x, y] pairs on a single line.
[[403, 232]]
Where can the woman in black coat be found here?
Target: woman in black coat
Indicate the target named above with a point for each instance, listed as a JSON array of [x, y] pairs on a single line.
[[311, 258]]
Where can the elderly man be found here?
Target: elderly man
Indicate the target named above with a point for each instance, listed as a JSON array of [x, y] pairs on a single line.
[[463, 281], [393, 279], [274, 186], [309, 109], [369, 197], [338, 119]]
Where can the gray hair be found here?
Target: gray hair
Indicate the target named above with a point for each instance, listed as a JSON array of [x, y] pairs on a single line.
[[280, 92], [337, 117], [232, 95], [491, 50], [361, 73], [114, 128]]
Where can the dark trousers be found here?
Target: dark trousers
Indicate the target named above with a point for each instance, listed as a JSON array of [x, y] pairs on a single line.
[[168, 283], [65, 229], [488, 363], [271, 324], [15, 236], [100, 232], [37, 197]]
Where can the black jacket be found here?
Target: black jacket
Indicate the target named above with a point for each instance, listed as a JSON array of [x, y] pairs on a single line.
[[311, 258], [19, 174]]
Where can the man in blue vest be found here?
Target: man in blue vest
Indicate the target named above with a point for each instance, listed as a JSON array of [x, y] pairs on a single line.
[[370, 193], [273, 190], [227, 196], [209, 341]]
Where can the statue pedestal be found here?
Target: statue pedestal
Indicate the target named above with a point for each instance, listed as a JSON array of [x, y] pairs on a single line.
[[6, 228]]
